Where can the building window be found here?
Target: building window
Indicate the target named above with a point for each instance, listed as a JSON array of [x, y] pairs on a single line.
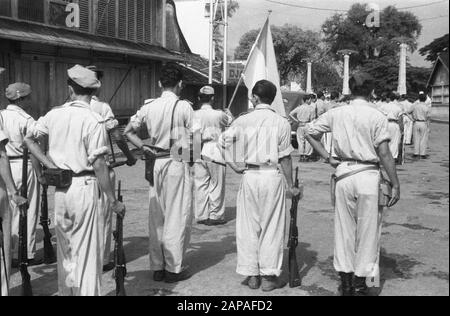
[[5, 7], [31, 10]]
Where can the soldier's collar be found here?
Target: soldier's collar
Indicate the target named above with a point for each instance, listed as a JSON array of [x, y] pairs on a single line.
[[15, 108], [206, 106], [264, 107], [80, 104], [169, 94]]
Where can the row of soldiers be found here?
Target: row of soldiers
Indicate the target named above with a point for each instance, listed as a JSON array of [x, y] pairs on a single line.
[[407, 121], [256, 145]]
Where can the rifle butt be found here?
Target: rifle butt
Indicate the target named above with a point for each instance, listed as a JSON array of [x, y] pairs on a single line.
[[294, 275]]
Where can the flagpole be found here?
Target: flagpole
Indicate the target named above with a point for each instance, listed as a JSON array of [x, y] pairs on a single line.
[[246, 65]]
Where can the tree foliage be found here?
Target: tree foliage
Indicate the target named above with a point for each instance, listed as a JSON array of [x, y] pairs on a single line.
[[436, 47], [349, 31], [292, 47]]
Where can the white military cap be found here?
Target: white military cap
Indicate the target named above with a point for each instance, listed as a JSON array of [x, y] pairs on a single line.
[[84, 77], [207, 90], [17, 90]]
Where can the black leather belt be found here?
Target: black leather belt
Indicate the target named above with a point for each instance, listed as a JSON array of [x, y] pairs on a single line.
[[358, 162], [262, 167], [83, 174], [393, 121], [420, 121], [15, 157]]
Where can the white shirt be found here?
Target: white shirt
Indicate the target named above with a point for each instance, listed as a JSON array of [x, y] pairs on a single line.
[[16, 123], [261, 137], [105, 111], [157, 116], [209, 123], [357, 130], [76, 136]]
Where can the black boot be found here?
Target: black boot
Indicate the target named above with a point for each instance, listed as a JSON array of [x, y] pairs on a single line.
[[347, 288], [361, 288]]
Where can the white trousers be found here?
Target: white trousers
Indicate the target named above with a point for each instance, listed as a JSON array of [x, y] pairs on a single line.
[[33, 210], [80, 232], [209, 188], [396, 137], [357, 223], [408, 130], [304, 147], [5, 214], [108, 217], [171, 215], [421, 136], [260, 224]]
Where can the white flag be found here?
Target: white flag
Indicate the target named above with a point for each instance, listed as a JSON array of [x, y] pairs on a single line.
[[262, 65]]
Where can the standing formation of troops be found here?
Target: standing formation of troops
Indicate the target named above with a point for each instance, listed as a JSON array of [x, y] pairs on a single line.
[[75, 138]]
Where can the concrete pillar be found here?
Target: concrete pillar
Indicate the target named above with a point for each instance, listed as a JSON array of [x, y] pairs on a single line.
[[402, 72], [346, 85], [309, 79]]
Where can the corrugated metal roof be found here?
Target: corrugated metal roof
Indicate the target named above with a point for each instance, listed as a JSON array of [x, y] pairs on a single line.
[[37, 33]]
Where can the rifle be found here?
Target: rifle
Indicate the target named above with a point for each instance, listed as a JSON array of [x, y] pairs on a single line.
[[26, 289], [120, 270], [3, 261], [294, 275], [49, 253]]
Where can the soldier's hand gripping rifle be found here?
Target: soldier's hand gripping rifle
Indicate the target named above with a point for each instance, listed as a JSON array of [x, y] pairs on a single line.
[[26, 289], [294, 275], [120, 270], [49, 252]]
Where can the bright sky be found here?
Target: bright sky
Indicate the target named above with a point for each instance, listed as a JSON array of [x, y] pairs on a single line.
[[252, 14]]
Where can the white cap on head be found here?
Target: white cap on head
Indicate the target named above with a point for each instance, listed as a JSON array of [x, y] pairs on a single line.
[[84, 77]]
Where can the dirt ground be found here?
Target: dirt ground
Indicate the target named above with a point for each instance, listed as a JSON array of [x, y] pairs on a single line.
[[415, 244]]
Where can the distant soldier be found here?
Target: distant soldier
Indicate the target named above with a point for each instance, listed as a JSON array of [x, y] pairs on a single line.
[[407, 108], [111, 124], [78, 144], [421, 114], [7, 184], [394, 114], [321, 106], [303, 114], [16, 123], [361, 143], [169, 122], [209, 177], [265, 138]]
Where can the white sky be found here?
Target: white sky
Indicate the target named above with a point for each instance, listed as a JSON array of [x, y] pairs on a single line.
[[252, 14]]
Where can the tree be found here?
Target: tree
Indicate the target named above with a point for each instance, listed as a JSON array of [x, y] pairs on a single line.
[[350, 32], [436, 47], [292, 47]]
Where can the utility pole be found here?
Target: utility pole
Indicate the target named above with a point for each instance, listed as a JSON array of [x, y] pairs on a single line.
[[225, 56], [346, 85], [211, 40]]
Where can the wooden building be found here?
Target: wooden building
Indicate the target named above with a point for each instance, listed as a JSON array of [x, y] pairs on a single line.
[[439, 81], [128, 39]]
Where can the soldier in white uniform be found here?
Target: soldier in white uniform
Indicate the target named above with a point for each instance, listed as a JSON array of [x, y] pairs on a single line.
[[209, 177], [421, 114], [265, 138], [407, 119], [105, 111], [16, 123], [361, 143], [78, 143], [303, 114], [169, 122], [394, 114], [7, 184]]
